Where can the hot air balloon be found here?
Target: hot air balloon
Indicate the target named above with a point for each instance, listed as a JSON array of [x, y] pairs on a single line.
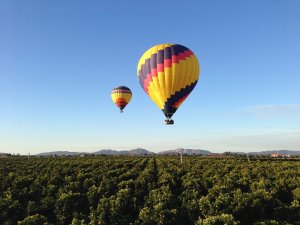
[[168, 73], [121, 96]]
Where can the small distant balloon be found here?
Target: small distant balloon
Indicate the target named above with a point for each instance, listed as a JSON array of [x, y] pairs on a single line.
[[168, 73], [121, 96]]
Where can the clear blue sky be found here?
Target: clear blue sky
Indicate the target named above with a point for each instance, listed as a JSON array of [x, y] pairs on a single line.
[[59, 61]]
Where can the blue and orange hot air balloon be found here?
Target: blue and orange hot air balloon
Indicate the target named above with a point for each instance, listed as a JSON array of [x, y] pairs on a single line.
[[121, 96], [168, 73]]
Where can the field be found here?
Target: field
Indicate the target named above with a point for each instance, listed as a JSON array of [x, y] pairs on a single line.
[[148, 190]]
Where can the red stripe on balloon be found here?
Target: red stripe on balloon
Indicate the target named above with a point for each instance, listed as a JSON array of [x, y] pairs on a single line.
[[181, 56], [154, 72], [121, 100], [189, 53], [175, 59], [160, 67], [147, 82], [168, 63], [176, 104]]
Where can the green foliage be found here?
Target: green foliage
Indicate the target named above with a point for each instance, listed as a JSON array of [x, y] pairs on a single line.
[[159, 208], [148, 191], [34, 220], [223, 219]]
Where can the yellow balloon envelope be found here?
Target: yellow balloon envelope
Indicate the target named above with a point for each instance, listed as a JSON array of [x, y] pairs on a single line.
[[121, 96], [168, 73]]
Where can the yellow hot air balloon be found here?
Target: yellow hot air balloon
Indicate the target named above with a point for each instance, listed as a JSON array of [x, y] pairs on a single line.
[[168, 73], [121, 96]]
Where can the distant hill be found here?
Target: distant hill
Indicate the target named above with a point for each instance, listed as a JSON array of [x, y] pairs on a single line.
[[137, 151], [106, 152], [269, 152], [59, 153], [141, 151], [185, 152]]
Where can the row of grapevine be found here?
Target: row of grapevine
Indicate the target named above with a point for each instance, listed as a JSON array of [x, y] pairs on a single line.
[[148, 191]]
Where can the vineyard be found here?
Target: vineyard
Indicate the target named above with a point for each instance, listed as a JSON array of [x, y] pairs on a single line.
[[148, 191]]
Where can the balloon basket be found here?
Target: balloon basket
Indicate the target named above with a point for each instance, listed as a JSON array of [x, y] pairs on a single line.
[[169, 122]]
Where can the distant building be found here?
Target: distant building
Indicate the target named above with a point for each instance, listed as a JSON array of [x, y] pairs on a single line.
[[277, 155], [85, 154]]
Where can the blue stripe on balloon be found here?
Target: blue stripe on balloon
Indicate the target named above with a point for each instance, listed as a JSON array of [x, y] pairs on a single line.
[[169, 110]]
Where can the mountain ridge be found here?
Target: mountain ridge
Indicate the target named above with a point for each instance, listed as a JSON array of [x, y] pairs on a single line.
[[142, 151], [284, 152]]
